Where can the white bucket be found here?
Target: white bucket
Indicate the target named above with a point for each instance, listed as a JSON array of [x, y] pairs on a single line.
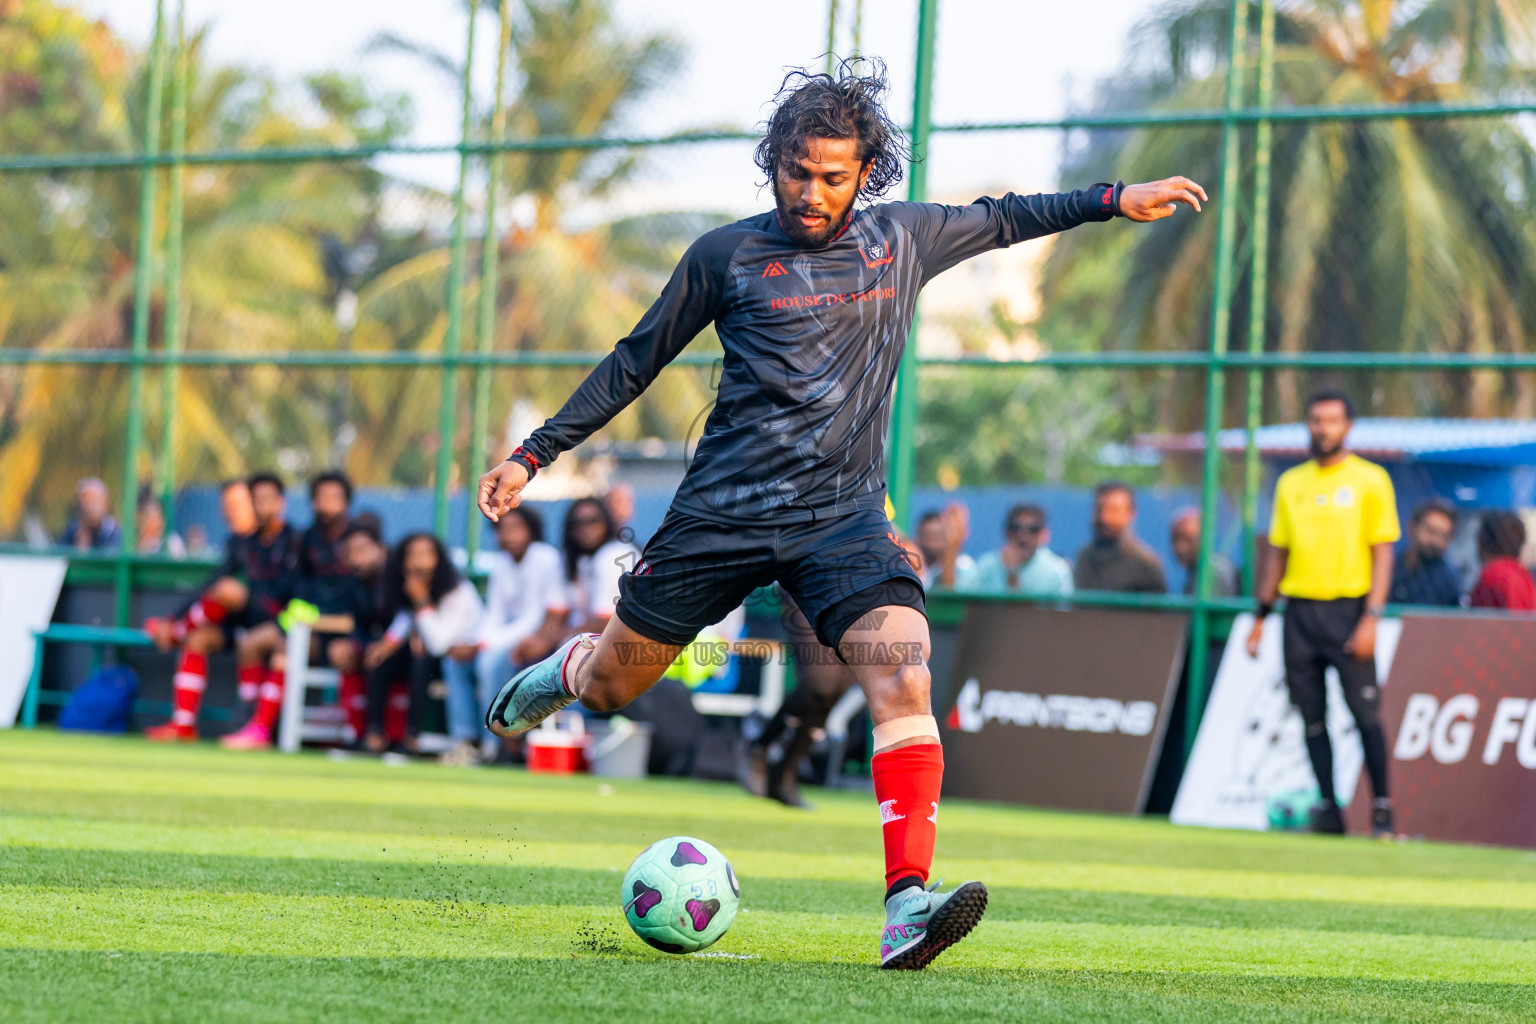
[[623, 751]]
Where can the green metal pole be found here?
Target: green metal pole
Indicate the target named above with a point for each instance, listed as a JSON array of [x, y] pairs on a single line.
[[1259, 293], [904, 417], [449, 396], [170, 381], [1215, 376], [143, 282], [831, 33], [858, 24], [485, 320]]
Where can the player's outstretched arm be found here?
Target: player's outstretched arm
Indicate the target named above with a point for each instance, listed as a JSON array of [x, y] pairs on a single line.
[[1155, 200]]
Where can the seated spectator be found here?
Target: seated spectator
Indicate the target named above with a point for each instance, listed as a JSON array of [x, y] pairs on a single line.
[[362, 545], [1024, 564], [253, 584], [151, 521], [940, 536], [152, 539], [594, 560], [1505, 582], [92, 527], [526, 607], [1115, 560], [1421, 574], [620, 501], [437, 620], [1184, 538]]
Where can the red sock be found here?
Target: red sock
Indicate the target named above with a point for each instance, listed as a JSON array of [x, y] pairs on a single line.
[[354, 700], [270, 703], [250, 682], [205, 611], [907, 782], [188, 684]]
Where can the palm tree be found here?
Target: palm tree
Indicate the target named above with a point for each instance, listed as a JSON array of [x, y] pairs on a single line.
[[254, 273], [1387, 235]]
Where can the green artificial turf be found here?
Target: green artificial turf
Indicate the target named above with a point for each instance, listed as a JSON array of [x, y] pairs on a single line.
[[143, 883]]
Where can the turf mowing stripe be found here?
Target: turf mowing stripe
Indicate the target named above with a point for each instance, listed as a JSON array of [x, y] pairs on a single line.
[[1146, 880], [526, 885], [197, 921], [69, 987]]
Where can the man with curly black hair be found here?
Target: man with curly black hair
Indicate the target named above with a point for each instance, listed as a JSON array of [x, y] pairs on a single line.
[[813, 302]]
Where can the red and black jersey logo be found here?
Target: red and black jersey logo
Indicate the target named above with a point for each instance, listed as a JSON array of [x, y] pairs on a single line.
[[876, 254], [774, 269]]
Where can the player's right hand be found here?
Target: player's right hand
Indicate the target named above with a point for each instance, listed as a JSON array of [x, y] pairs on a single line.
[[1254, 636], [501, 490]]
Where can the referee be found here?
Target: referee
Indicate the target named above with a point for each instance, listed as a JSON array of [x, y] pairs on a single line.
[[1331, 537]]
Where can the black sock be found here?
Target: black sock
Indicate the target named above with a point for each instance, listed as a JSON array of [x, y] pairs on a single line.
[[1375, 744], [1321, 753], [903, 883]]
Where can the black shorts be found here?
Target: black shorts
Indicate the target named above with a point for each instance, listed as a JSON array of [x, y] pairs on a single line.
[[1314, 637], [255, 613], [694, 572]]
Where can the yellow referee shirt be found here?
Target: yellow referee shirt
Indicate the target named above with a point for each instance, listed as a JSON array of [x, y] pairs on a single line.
[[1328, 518]]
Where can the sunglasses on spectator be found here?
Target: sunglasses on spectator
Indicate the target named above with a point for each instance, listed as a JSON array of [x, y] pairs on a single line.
[[1033, 529]]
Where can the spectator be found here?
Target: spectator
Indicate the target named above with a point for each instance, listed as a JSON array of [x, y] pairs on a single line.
[[526, 606], [239, 509], [1504, 582], [1024, 564], [437, 620], [152, 539], [1420, 574], [1330, 554], [594, 560], [362, 545], [1184, 538], [940, 536], [250, 587], [92, 527], [620, 502], [1115, 560], [197, 541]]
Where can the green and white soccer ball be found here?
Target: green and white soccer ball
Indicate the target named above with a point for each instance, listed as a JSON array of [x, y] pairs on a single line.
[[680, 895]]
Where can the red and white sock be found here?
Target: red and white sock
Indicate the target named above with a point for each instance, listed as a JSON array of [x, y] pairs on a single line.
[[188, 684], [907, 783], [572, 665], [270, 701], [205, 611], [354, 700], [249, 678]]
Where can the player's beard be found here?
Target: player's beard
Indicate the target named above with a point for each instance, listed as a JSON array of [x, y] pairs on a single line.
[[789, 220], [1322, 450]]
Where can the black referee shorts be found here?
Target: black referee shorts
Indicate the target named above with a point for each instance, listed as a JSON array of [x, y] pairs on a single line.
[[1314, 637], [695, 571]]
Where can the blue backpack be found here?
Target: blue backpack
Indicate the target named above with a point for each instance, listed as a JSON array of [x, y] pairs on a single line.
[[103, 703]]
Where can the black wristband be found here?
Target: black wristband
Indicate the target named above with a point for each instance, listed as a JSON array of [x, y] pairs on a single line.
[[1263, 610], [524, 458], [1104, 200]]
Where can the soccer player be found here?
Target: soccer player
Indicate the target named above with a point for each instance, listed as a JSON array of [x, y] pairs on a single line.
[[1330, 554], [324, 580], [812, 302], [249, 588]]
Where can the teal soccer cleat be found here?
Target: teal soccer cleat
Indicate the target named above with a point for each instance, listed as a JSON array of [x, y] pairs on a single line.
[[920, 924], [536, 692]]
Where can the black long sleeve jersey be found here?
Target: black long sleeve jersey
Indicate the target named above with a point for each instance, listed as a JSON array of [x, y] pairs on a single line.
[[812, 339]]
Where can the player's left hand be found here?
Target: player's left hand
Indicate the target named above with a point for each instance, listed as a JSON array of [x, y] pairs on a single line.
[[1362, 642], [1155, 200]]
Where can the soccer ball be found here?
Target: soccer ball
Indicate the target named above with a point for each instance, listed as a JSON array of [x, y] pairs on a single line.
[[680, 895]]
